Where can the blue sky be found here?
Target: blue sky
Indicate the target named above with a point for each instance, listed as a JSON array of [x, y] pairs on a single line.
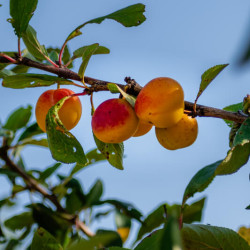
[[180, 39]]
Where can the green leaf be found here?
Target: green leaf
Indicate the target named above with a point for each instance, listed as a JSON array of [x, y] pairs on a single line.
[[21, 81], [113, 88], [211, 237], [21, 13], [208, 76], [53, 55], [117, 248], [19, 69], [30, 141], [6, 202], [122, 220], [153, 241], [20, 221], [18, 119], [34, 47], [94, 156], [63, 145], [87, 53], [128, 17], [11, 174], [233, 108], [45, 241], [112, 152], [81, 51], [201, 180], [243, 134], [30, 131], [94, 194], [5, 73], [75, 201], [49, 171]]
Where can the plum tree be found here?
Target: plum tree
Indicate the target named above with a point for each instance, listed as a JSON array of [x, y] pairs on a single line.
[[70, 113], [160, 102], [114, 121], [180, 135]]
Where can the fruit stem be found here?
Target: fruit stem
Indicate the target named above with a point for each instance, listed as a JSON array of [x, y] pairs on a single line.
[[61, 53], [92, 103], [19, 48]]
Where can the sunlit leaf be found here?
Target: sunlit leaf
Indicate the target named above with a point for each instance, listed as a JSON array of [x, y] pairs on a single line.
[[63, 145], [21, 13]]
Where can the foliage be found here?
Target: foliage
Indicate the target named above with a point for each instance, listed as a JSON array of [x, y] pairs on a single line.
[[55, 220]]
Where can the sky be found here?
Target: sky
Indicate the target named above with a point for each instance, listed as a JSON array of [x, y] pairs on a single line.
[[179, 39]]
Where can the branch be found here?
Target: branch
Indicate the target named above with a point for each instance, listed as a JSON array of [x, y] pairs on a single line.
[[131, 87]]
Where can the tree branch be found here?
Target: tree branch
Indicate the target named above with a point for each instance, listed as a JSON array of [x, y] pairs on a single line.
[[132, 87]]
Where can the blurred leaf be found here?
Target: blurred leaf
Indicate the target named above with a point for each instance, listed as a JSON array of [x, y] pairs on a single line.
[[75, 201], [86, 55], [7, 202], [126, 208], [81, 51], [5, 73], [122, 220], [20, 221], [112, 152], [248, 207], [211, 237], [18, 69], [49, 171], [18, 119], [63, 145], [21, 13], [21, 81], [94, 194], [233, 108], [30, 132], [103, 238], [44, 240], [201, 180], [151, 242], [11, 174], [30, 141], [9, 134], [66, 57], [53, 55], [129, 16], [12, 244], [34, 47], [244, 232], [117, 248], [208, 76]]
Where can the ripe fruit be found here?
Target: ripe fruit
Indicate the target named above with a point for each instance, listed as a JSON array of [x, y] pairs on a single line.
[[123, 225], [70, 112], [143, 128], [160, 102], [180, 135], [123, 232], [114, 121]]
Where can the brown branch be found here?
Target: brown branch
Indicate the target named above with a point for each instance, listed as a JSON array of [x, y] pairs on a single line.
[[131, 87]]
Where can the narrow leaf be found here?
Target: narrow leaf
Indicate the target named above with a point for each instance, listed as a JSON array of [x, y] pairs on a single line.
[[30, 141], [208, 76], [49, 171], [112, 152], [128, 17], [21, 13], [30, 131], [18, 119], [94, 194], [63, 145], [201, 180], [21, 81]]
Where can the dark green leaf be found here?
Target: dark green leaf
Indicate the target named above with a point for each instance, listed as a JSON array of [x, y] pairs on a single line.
[[19, 221], [11, 174], [248, 207], [94, 194], [31, 131], [75, 201], [151, 242], [6, 202], [117, 248], [18, 119], [211, 237], [63, 145], [201, 180], [112, 152], [208, 76], [43, 240], [49, 171], [81, 51], [21, 13], [66, 57], [129, 16], [34, 47], [233, 108], [87, 53], [12, 244]]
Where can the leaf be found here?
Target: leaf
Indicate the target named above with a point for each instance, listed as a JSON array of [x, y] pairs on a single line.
[[5, 73], [63, 145], [20, 81], [122, 220], [211, 237], [49, 171], [151, 242], [30, 131], [233, 108], [21, 13], [128, 17], [18, 69], [34, 47], [208, 76], [87, 53], [44, 240], [239, 154], [30, 141], [81, 51], [94, 156], [201, 180], [113, 88], [129, 98], [18, 119], [112, 152], [20, 221], [94, 194]]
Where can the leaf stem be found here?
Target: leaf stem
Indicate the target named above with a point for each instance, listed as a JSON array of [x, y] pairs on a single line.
[[61, 53], [9, 59], [19, 48]]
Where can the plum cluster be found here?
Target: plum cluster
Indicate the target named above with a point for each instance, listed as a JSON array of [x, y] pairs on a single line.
[[160, 103]]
